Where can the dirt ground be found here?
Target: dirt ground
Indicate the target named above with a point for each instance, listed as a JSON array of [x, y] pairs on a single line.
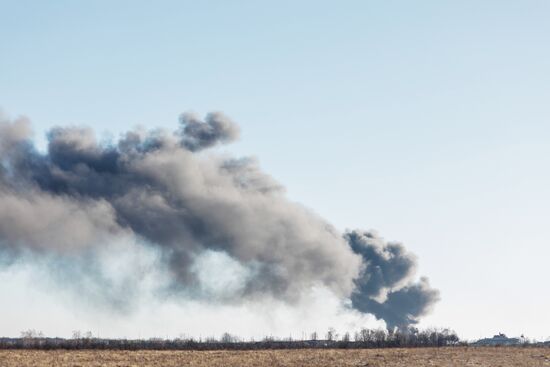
[[458, 356]]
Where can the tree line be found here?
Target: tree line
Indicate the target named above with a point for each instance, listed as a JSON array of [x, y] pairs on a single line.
[[364, 338]]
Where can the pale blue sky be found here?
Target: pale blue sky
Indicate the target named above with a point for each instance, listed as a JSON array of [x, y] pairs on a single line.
[[428, 121]]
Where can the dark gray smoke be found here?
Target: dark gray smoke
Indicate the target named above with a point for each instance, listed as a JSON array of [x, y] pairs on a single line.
[[385, 286], [197, 135], [155, 187]]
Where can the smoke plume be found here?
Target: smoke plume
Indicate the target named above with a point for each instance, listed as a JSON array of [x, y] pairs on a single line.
[[385, 286], [159, 188]]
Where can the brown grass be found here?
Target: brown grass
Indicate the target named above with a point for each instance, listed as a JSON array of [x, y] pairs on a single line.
[[283, 358]]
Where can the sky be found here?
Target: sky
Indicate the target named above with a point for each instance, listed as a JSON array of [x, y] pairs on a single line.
[[426, 121]]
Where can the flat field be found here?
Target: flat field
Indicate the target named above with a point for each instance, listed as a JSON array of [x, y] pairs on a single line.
[[457, 356]]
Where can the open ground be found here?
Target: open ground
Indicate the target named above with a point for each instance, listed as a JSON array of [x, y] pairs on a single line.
[[450, 356]]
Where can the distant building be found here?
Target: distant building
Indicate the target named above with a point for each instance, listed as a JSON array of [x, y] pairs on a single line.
[[499, 339]]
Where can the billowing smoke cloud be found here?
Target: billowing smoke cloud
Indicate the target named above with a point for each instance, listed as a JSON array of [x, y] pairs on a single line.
[[385, 287], [197, 135], [156, 187]]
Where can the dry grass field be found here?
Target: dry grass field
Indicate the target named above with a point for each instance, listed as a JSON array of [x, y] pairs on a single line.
[[287, 358]]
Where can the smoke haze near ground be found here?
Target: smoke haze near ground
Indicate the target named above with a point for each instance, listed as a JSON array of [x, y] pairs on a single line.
[[73, 205]]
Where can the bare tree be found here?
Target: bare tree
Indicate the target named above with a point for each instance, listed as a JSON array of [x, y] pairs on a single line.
[[313, 336], [31, 334], [346, 338], [228, 338], [331, 334]]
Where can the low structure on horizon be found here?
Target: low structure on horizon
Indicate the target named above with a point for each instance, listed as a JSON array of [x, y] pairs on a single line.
[[498, 339]]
